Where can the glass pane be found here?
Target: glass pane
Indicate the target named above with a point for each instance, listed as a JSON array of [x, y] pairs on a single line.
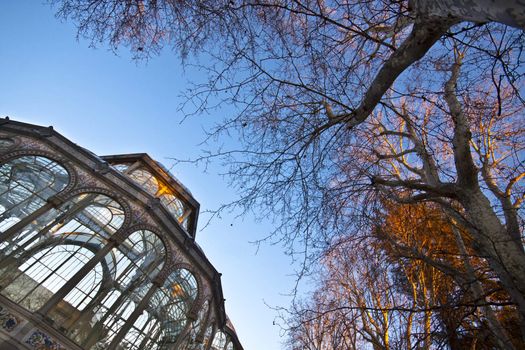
[[189, 342], [134, 265], [168, 307], [38, 261], [219, 341], [207, 335], [121, 167], [176, 207], [25, 185], [146, 180], [44, 273]]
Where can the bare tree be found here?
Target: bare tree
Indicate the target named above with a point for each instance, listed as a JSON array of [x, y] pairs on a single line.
[[355, 306], [338, 101], [404, 286], [365, 301]]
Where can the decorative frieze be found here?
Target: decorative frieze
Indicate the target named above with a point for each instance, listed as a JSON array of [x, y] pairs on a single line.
[[8, 321], [39, 340]]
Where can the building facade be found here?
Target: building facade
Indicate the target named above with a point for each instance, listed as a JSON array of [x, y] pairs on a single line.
[[100, 252]]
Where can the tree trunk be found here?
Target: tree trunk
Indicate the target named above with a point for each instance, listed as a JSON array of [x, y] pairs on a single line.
[[501, 251], [498, 331], [509, 12], [504, 254]]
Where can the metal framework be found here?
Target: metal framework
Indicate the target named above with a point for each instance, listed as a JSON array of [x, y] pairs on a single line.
[[100, 252]]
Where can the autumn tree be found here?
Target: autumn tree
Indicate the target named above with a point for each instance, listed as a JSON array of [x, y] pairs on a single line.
[[404, 286], [339, 103], [439, 257]]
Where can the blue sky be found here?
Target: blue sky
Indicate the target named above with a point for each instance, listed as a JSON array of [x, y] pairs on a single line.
[[111, 105]]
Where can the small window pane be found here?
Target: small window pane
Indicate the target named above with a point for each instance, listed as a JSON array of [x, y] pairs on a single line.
[[146, 180], [219, 341], [177, 208]]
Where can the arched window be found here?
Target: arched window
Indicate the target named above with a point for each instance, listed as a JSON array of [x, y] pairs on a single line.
[[183, 290], [146, 330], [166, 316], [196, 328], [145, 179], [39, 261], [229, 346], [25, 185], [135, 263], [219, 341], [149, 182]]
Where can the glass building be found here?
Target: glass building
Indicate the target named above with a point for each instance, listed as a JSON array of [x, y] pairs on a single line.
[[100, 252]]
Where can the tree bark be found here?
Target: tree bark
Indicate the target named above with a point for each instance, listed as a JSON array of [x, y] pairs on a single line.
[[423, 36], [509, 12], [501, 251]]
